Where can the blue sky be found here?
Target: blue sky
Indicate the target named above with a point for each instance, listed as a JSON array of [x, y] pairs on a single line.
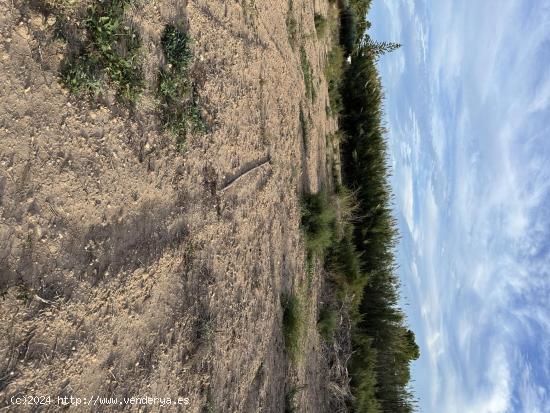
[[468, 112]]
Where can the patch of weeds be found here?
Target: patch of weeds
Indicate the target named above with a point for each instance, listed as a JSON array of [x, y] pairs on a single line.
[[23, 294], [206, 328], [176, 46], [318, 222], [308, 74], [80, 76], [346, 200], [348, 29], [291, 25], [295, 171], [108, 53], [326, 325], [209, 405], [310, 268], [290, 402], [304, 128], [320, 24], [179, 111], [343, 263], [293, 326], [334, 71]]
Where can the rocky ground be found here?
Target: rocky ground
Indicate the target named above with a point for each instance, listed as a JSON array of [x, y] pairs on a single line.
[[129, 268]]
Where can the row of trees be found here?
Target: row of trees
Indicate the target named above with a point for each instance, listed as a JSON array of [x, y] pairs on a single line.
[[383, 345]]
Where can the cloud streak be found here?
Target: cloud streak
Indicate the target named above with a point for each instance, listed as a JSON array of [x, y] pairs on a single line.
[[468, 98]]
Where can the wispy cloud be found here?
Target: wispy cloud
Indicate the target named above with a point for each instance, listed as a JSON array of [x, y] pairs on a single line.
[[468, 98]]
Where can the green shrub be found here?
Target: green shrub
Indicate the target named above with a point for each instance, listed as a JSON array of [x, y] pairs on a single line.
[[308, 74], [293, 326], [363, 375], [334, 70], [172, 86], [327, 323], [81, 76], [317, 222], [343, 257], [383, 345], [109, 51], [176, 46], [304, 127], [344, 265], [348, 30], [320, 24], [290, 399], [180, 113], [361, 8]]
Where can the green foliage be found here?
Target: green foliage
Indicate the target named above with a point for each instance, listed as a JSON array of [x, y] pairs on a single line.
[[359, 254], [320, 24], [179, 111], [329, 237], [381, 340], [176, 46], [206, 328], [364, 376], [109, 52], [327, 323], [304, 128], [80, 76], [293, 326], [344, 264], [310, 269], [334, 70], [348, 30], [23, 294], [360, 9], [308, 74], [317, 222], [290, 399], [377, 49], [209, 403]]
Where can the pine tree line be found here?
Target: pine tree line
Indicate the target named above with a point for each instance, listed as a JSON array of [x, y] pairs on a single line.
[[383, 345]]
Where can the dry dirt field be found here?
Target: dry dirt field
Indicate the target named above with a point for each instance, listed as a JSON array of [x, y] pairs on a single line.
[[129, 268]]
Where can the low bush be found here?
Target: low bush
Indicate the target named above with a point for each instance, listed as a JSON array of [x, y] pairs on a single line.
[[318, 222], [334, 70], [327, 323], [108, 53], [348, 30], [293, 326], [308, 74], [180, 113], [320, 24]]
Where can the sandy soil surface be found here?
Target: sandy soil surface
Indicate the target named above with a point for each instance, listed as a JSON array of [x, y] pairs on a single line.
[[128, 268]]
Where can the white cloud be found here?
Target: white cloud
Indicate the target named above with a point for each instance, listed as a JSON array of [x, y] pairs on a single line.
[[472, 186], [407, 198], [438, 136], [498, 395], [532, 397]]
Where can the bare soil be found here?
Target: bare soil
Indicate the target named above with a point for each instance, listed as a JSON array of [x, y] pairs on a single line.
[[128, 268]]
